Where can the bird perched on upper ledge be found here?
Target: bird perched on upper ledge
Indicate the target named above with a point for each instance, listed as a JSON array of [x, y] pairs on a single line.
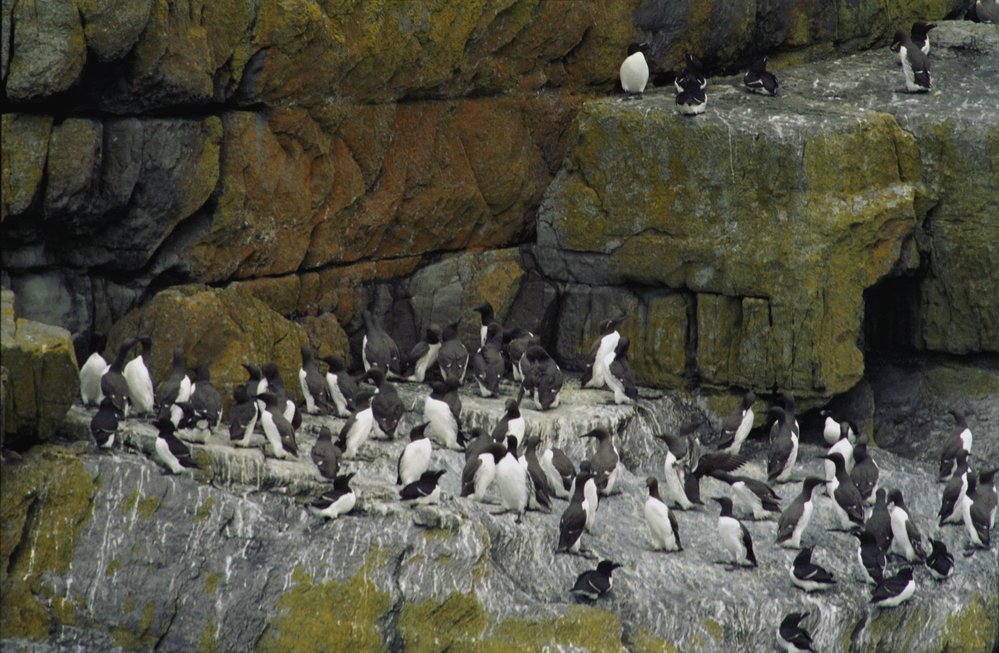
[[690, 84], [759, 79], [635, 70], [915, 64]]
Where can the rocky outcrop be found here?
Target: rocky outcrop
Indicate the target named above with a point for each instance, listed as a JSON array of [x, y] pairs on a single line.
[[40, 376]]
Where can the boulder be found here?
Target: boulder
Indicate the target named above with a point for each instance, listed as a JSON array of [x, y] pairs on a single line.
[[41, 373], [25, 144], [47, 48]]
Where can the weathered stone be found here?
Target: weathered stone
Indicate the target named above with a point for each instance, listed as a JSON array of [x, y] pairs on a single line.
[[112, 28], [57, 297], [41, 372], [25, 147], [47, 52], [325, 334], [73, 168]]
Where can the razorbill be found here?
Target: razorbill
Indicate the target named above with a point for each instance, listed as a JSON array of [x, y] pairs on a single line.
[[915, 64], [759, 79], [314, 388], [734, 535], [978, 509], [635, 70], [486, 317], [342, 385], [512, 423], [750, 495], [959, 439], [560, 471], [605, 461], [177, 387], [691, 99], [954, 491], [865, 474], [879, 522], [378, 349], [487, 364], [844, 448], [358, 426], [517, 341], [256, 384], [736, 427], [871, 557], [791, 636], [920, 35], [573, 521], [593, 584], [104, 424], [480, 471], [415, 456], [661, 520], [541, 488], [847, 504], [206, 401], [512, 480], [92, 371], [338, 501], [708, 464], [831, 429], [386, 406], [940, 562], [544, 380], [783, 446], [894, 590], [424, 491], [423, 356], [906, 540], [595, 374], [275, 386], [113, 383], [793, 521], [277, 429], [242, 417], [439, 414], [326, 455], [809, 576], [620, 379], [171, 451], [140, 384], [452, 358]]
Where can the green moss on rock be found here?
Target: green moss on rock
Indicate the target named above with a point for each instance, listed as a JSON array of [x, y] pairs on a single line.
[[441, 626], [204, 510], [973, 628]]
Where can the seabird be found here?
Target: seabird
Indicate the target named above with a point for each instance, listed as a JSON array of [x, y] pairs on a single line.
[[662, 522], [386, 406], [275, 386], [960, 439], [620, 379], [342, 385], [453, 355], [879, 522], [560, 471], [415, 456], [736, 427], [871, 557], [795, 518], [894, 590], [954, 491], [759, 79], [486, 317], [338, 501], [544, 379], [512, 423], [734, 535], [169, 450], [314, 388], [326, 455], [517, 341], [597, 362], [512, 480], [359, 426], [675, 468], [940, 562], [206, 402], [278, 430], [426, 490], [605, 461], [541, 488], [752, 496], [587, 478], [791, 636], [978, 509], [378, 349], [423, 355], [635, 70], [478, 442], [915, 64], [255, 385], [479, 472], [831, 429], [783, 446], [487, 363], [438, 413], [865, 472], [844, 448], [92, 371], [104, 424], [573, 521], [140, 384], [920, 34], [808, 576], [113, 383], [690, 84], [242, 417], [847, 504], [177, 387], [906, 540], [593, 584]]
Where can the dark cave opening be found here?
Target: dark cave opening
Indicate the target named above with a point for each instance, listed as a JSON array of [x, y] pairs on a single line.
[[891, 316]]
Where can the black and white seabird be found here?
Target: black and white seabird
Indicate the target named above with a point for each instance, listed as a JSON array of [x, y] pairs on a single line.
[[104, 424], [759, 79], [518, 340], [661, 520], [512, 480], [326, 455], [512, 423], [894, 590], [486, 317], [793, 521], [423, 356], [783, 446], [171, 451], [634, 71], [478, 442], [452, 359], [601, 355], [734, 535], [978, 509], [480, 471], [959, 439], [587, 478], [275, 386], [809, 576], [736, 427], [940, 562], [438, 412], [691, 99], [574, 518], [832, 429], [424, 491], [177, 387], [752, 496], [92, 371], [593, 584], [140, 384], [866, 473], [915, 64], [544, 379], [277, 429], [847, 503], [113, 383], [338, 501], [415, 456], [791, 636], [871, 556], [378, 349], [605, 461], [206, 403], [540, 485], [341, 384], [314, 388], [359, 426], [844, 448], [243, 416], [386, 406], [560, 471], [920, 34], [879, 522], [675, 468], [487, 364], [620, 378], [906, 540], [953, 494]]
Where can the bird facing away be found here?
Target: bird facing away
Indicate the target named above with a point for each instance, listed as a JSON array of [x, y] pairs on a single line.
[[593, 584], [759, 79]]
